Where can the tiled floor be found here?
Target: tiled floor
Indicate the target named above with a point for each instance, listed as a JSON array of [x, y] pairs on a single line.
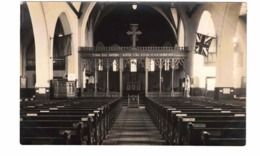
[[133, 127]]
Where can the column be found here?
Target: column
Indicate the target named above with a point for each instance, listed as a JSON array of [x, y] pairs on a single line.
[[82, 78], [72, 61], [160, 76], [22, 61], [121, 68], [95, 77], [107, 66], [23, 77], [172, 66], [224, 88], [146, 75], [42, 50], [51, 59]]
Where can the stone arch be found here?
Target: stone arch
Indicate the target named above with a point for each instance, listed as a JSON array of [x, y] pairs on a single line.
[[181, 14], [65, 23], [63, 26], [27, 54], [26, 40], [206, 25], [161, 12], [83, 23], [86, 14]]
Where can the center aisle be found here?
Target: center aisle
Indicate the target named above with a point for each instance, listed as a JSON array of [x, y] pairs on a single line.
[[133, 127]]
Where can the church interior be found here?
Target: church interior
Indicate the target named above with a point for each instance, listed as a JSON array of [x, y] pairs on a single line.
[[133, 73]]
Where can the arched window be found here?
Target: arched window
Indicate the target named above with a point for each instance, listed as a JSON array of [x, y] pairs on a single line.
[[206, 28]]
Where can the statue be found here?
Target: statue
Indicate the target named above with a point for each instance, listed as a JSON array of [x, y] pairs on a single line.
[[187, 86]]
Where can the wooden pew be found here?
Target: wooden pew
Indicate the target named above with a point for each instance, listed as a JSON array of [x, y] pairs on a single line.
[[53, 135], [92, 129], [98, 123], [171, 114], [60, 125], [181, 133], [207, 139], [163, 115], [194, 134]]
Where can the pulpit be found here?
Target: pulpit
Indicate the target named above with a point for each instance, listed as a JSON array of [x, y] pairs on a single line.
[[62, 88]]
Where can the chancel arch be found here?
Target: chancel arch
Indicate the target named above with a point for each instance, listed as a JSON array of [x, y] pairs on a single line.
[[116, 23], [124, 29]]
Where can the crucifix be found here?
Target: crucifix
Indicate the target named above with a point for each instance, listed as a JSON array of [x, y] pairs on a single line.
[[134, 34]]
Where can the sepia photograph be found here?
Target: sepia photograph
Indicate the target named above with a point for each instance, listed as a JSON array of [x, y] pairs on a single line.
[[144, 73]]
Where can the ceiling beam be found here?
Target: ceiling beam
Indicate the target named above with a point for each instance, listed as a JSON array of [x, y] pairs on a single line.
[[78, 13]]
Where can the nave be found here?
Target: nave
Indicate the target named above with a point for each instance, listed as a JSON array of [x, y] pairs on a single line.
[[104, 121], [134, 127]]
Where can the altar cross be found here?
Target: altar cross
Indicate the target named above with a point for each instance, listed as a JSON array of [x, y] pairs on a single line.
[[134, 34]]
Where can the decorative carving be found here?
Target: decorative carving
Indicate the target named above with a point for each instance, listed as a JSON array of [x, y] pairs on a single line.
[[178, 62], [157, 62], [89, 64], [127, 61], [141, 61]]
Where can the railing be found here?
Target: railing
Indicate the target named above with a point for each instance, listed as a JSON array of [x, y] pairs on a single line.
[[164, 94], [101, 94], [131, 48]]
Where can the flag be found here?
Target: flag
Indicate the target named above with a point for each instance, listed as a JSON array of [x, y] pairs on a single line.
[[202, 44], [62, 46]]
